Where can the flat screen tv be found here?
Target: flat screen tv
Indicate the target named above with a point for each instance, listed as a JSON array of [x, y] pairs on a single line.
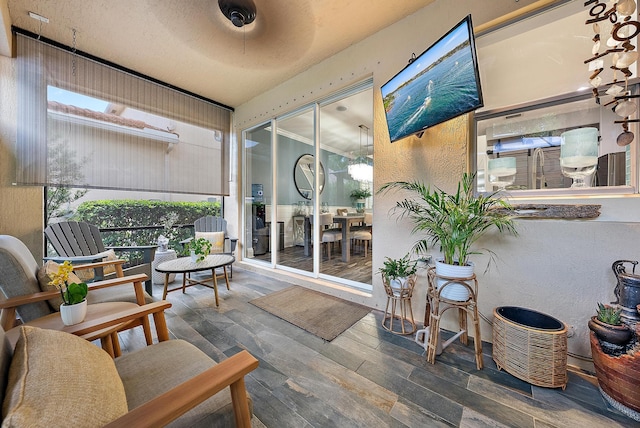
[[440, 84]]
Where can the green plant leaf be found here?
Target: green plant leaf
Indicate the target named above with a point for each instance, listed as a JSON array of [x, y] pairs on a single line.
[[75, 293]]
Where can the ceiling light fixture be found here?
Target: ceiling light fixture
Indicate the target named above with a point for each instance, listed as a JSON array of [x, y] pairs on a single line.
[[239, 12], [360, 167]]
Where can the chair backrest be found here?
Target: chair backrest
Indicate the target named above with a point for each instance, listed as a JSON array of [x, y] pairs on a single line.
[[74, 238], [210, 224], [368, 219], [18, 276], [326, 219]]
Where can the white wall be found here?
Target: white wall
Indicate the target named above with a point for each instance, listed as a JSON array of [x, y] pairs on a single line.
[[559, 267]]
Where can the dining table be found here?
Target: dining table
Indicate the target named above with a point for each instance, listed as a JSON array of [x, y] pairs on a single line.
[[345, 222]]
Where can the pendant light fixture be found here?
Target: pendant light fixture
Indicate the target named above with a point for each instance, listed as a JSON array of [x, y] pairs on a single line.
[[360, 168]]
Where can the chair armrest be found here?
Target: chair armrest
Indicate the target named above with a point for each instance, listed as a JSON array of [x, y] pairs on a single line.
[[99, 264], [94, 257], [133, 248], [14, 302], [175, 402], [156, 309], [147, 251]]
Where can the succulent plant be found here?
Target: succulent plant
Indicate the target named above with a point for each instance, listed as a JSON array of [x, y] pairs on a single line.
[[609, 314]]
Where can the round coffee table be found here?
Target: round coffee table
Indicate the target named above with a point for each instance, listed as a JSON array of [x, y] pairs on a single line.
[[186, 266]]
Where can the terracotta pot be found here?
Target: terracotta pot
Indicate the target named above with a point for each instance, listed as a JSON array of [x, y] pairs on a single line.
[[616, 334], [618, 378]]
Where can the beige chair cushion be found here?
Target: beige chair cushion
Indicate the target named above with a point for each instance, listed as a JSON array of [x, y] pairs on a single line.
[[186, 361], [58, 379], [216, 239], [87, 275], [44, 277]]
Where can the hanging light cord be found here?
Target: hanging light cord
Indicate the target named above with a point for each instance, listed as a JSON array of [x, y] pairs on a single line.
[[73, 50]]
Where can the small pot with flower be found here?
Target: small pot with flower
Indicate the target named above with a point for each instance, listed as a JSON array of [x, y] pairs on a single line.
[[74, 295], [199, 248], [608, 326]]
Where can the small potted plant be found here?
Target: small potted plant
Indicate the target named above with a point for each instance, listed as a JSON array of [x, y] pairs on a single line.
[[200, 248], [74, 296], [608, 327], [359, 195], [395, 272]]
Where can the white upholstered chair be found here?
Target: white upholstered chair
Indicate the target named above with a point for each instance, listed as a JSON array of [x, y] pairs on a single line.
[[363, 235], [328, 234]]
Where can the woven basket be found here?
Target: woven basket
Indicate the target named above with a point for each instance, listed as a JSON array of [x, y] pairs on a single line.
[[531, 346]]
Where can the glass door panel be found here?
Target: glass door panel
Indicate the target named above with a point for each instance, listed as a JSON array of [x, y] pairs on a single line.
[[346, 150], [258, 192], [296, 184]]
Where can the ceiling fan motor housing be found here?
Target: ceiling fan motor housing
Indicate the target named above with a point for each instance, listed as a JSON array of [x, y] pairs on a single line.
[[239, 12]]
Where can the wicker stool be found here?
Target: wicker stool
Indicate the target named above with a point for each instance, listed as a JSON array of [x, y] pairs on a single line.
[[438, 305], [399, 296]]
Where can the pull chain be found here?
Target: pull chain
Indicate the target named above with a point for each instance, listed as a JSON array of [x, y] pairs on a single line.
[[73, 51]]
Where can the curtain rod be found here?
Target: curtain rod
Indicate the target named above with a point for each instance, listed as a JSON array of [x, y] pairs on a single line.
[[17, 30]]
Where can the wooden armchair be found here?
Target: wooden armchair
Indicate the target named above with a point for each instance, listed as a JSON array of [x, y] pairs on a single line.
[[81, 242], [168, 382], [25, 297], [207, 225]]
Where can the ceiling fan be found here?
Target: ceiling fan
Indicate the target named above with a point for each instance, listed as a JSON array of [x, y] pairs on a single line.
[[239, 12]]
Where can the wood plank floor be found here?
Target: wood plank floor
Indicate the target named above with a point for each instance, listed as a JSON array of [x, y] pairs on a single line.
[[358, 269], [366, 377]]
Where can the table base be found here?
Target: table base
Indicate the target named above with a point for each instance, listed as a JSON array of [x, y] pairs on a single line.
[[187, 281]]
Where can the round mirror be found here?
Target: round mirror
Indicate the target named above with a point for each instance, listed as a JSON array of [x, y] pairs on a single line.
[[304, 176]]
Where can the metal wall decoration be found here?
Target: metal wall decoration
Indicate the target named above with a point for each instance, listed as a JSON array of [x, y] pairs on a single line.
[[617, 50]]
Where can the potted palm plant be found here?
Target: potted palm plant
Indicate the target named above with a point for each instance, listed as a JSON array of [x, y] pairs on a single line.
[[452, 221]]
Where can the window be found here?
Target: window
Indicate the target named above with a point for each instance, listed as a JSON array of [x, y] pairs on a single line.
[[86, 124], [536, 87]]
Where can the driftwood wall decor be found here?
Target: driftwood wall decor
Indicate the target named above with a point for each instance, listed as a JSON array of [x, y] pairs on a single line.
[[554, 211]]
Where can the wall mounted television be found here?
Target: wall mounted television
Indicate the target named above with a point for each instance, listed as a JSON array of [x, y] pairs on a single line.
[[440, 84]]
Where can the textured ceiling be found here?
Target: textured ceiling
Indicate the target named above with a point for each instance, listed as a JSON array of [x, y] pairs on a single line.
[[191, 45]]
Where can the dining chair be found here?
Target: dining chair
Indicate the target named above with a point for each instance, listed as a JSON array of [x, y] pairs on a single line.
[[363, 234], [329, 234]]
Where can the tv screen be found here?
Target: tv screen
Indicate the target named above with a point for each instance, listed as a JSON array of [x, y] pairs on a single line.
[[440, 84]]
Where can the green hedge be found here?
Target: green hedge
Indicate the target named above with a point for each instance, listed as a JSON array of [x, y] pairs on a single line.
[[137, 213]]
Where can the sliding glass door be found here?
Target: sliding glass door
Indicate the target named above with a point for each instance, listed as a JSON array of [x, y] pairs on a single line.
[[310, 176], [258, 193]]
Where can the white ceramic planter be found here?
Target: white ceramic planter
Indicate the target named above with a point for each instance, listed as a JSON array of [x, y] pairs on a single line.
[[73, 314], [453, 291]]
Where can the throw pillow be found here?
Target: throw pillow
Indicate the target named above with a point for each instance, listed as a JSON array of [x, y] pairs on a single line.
[[87, 275], [58, 379], [44, 277], [216, 239]]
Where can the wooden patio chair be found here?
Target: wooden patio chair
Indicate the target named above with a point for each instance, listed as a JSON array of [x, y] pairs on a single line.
[[169, 381], [211, 224], [81, 242], [34, 303]]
